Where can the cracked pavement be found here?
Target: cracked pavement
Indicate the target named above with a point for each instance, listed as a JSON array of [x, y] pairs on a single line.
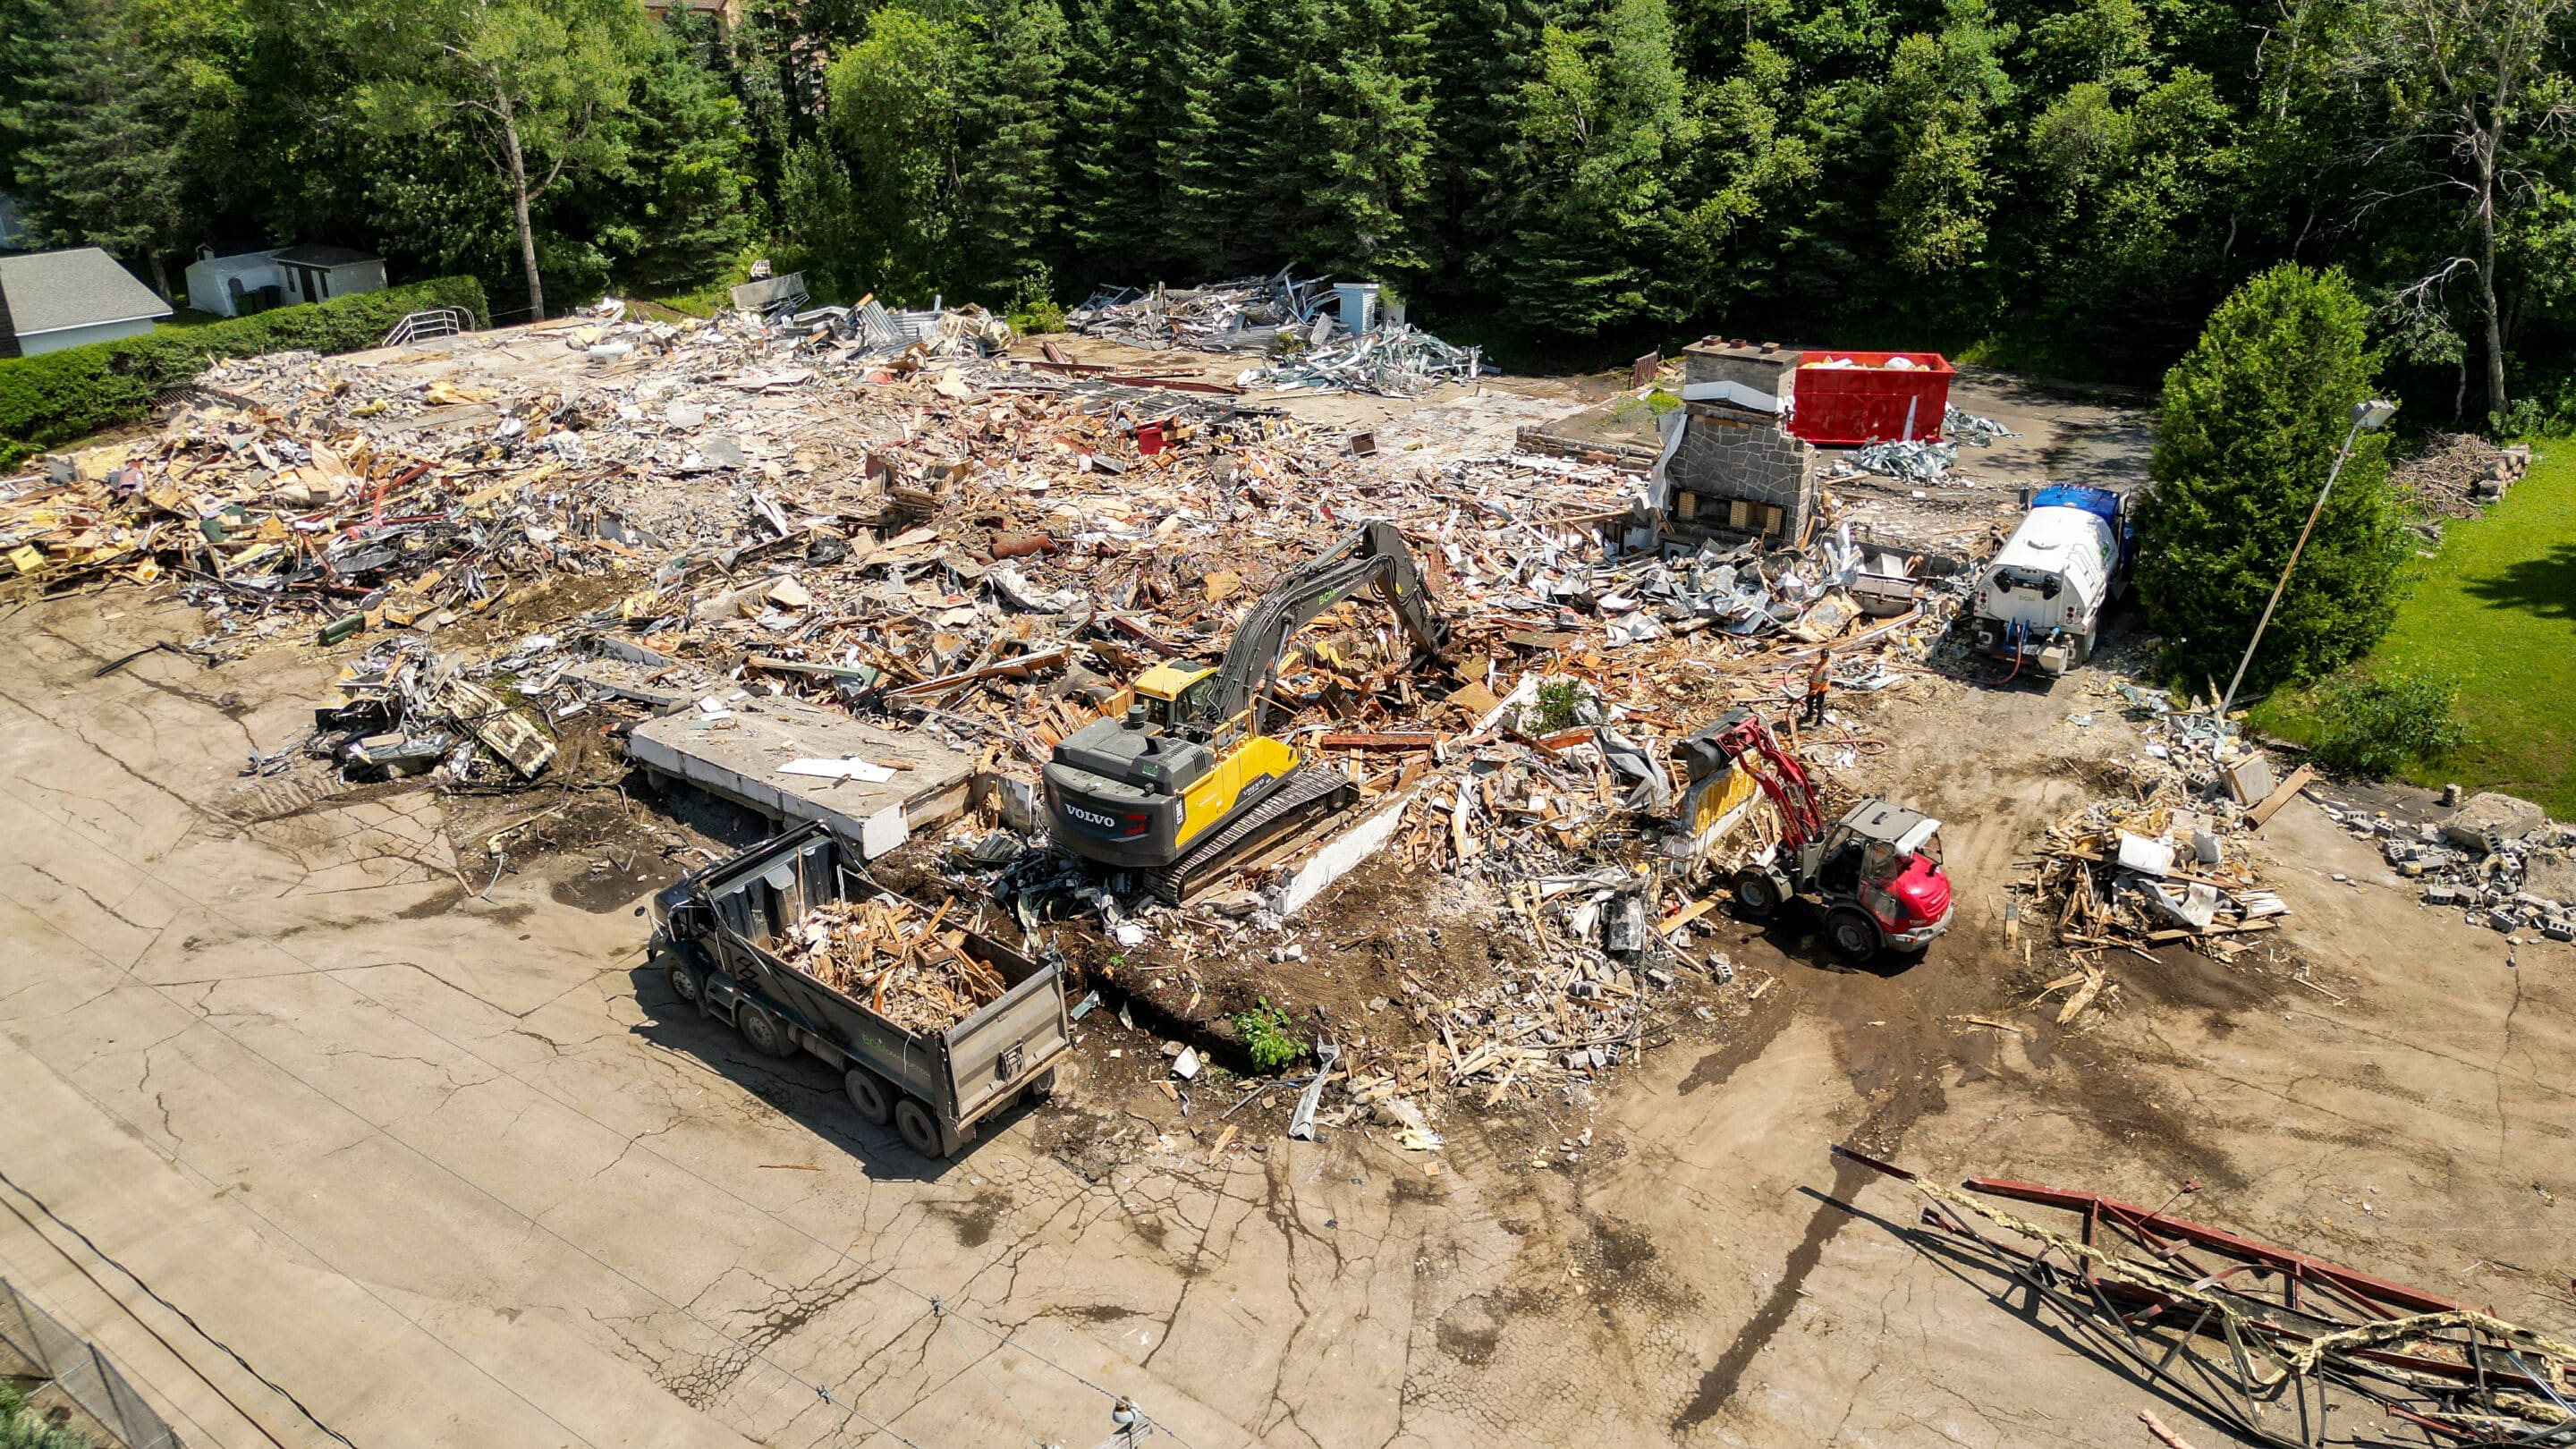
[[456, 1171]]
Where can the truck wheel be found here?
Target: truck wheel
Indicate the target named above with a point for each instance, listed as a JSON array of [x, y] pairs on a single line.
[[921, 1134], [1853, 934], [1043, 1089], [1757, 893], [683, 982], [868, 1093], [767, 1034]]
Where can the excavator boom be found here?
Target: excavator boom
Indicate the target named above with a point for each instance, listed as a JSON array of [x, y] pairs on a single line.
[[1374, 555]]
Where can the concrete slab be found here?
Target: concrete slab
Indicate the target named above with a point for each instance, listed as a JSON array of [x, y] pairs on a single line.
[[738, 754]]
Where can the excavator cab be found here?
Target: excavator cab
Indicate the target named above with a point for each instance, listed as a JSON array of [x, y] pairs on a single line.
[[1175, 695]]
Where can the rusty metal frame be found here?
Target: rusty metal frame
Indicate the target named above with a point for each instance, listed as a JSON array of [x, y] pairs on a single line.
[[2250, 1298]]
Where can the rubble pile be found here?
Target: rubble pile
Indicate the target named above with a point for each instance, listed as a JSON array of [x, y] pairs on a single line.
[[2455, 473], [982, 551], [2497, 860], [1247, 314], [892, 955], [2150, 873], [1396, 361]]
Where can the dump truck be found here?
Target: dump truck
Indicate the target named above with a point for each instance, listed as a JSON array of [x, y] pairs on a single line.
[[2040, 601], [720, 929]]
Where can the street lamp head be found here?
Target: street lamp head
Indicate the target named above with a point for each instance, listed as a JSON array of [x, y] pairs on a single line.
[[2373, 415]]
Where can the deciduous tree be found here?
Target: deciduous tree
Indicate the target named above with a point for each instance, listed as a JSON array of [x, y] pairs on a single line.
[[541, 86]]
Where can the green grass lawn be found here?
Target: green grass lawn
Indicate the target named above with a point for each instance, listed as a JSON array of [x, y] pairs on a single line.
[[2495, 610]]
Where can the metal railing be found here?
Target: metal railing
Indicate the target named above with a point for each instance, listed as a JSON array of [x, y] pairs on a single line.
[[34, 1344], [428, 323]]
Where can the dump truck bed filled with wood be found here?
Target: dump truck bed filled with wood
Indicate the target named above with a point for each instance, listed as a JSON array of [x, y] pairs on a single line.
[[934, 1025]]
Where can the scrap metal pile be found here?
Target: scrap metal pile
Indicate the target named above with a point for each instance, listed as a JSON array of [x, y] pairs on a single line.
[[1395, 361], [403, 709], [2281, 1347], [892, 955], [1247, 314], [1928, 459]]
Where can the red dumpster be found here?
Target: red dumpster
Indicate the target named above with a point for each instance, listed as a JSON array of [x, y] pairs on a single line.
[[1842, 399]]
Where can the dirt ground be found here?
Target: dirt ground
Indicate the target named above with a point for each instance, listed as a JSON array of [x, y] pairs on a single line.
[[426, 1154]]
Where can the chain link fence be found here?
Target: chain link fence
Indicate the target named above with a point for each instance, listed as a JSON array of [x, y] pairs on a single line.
[[74, 1375]]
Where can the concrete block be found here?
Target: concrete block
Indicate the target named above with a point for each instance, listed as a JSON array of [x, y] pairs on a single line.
[[2250, 779], [2492, 814]]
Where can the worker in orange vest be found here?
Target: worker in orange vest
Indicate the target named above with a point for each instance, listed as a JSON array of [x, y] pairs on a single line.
[[1819, 679]]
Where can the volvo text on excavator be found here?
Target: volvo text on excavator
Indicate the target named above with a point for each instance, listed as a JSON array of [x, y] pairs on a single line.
[[1189, 780]]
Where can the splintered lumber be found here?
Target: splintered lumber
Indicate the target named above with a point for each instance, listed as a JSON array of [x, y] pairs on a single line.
[[2273, 802], [891, 955]]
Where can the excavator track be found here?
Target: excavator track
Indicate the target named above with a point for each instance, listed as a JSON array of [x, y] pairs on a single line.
[[1306, 793]]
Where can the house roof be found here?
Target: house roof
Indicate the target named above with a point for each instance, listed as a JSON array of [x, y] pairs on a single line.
[[239, 264], [51, 291], [326, 256]]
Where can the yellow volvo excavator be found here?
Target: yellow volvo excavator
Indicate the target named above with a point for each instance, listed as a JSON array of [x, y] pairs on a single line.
[[1188, 780]]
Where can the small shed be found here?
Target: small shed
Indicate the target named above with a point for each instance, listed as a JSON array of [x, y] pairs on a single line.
[[234, 284], [53, 300], [320, 273]]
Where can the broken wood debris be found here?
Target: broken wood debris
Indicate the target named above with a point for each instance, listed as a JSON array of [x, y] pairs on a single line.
[[887, 953]]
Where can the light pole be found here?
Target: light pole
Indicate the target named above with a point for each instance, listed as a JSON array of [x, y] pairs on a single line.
[[2371, 416]]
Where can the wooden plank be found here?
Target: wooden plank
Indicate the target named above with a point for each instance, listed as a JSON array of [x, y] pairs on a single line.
[[2280, 797], [1390, 740], [1017, 666], [1686, 915]]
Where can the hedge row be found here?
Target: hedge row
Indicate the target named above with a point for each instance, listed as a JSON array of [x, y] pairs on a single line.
[[61, 396]]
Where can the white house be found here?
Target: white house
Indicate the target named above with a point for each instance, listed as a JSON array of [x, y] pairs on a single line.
[[245, 282], [53, 300]]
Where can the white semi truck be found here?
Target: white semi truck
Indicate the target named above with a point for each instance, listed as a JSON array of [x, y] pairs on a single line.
[[2040, 602]]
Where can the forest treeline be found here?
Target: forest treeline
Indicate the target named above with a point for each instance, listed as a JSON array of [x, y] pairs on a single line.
[[2069, 183]]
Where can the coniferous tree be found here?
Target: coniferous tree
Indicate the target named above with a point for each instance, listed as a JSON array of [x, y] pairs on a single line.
[[1602, 128], [1475, 61], [1115, 225], [1010, 118], [681, 213], [97, 118], [2251, 421], [1346, 139]]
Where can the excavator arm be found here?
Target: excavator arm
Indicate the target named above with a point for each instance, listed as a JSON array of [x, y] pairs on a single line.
[[1375, 555]]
